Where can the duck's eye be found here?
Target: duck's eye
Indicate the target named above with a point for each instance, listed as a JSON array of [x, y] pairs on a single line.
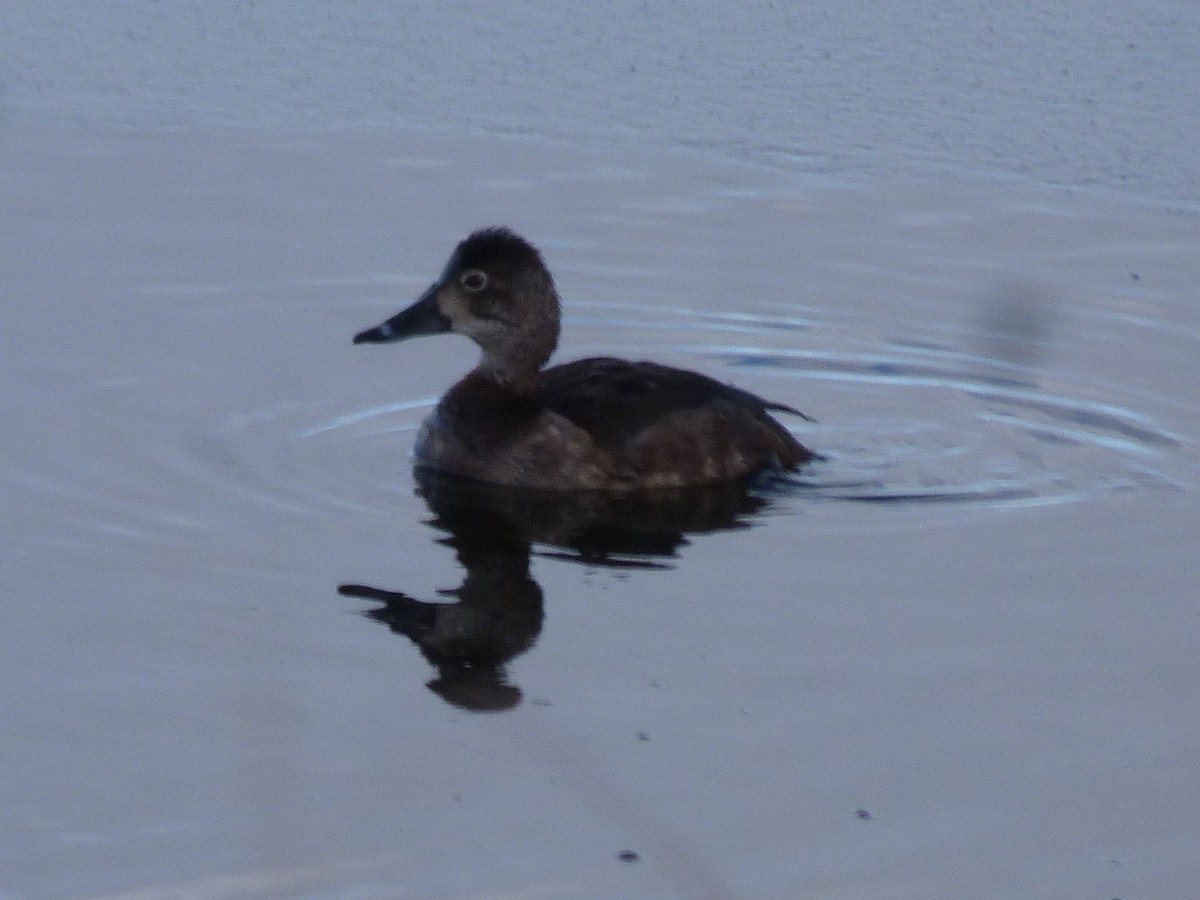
[[473, 280]]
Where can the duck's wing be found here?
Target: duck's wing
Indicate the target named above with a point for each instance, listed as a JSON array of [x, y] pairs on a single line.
[[650, 414]]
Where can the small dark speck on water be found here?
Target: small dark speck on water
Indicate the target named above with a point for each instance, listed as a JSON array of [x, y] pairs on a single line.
[[628, 856], [863, 814], [1135, 276], [643, 736], [540, 701]]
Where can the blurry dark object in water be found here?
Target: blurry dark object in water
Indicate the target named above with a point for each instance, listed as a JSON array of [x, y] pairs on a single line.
[[498, 609], [1017, 323]]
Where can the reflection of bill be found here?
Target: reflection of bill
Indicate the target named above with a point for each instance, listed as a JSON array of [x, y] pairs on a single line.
[[496, 613]]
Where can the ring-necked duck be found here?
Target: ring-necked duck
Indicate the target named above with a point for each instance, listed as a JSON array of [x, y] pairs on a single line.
[[593, 424]]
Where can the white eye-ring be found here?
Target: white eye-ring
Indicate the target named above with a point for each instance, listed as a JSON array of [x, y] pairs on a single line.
[[474, 280]]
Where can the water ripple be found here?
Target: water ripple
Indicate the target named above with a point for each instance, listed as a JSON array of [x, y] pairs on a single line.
[[922, 425]]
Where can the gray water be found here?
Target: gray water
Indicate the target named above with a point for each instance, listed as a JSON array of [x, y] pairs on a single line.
[[954, 658]]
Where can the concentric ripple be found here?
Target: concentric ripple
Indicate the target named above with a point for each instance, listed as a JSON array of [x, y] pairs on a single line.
[[953, 432], [898, 423], [317, 457]]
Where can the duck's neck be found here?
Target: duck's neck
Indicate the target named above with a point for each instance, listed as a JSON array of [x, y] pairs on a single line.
[[515, 363], [509, 375]]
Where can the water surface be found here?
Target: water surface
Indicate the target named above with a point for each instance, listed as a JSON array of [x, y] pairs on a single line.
[[955, 658]]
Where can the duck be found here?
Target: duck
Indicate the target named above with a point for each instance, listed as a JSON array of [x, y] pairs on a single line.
[[594, 424]]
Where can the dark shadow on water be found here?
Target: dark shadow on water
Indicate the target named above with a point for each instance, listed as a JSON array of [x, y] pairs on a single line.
[[496, 613]]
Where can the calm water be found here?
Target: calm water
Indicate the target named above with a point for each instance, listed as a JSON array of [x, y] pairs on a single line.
[[974, 621], [248, 653]]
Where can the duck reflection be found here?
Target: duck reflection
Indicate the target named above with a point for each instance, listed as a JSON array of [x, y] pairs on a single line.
[[497, 611]]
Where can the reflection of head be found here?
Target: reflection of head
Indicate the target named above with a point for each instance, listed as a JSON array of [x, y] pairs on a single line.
[[497, 616], [476, 690]]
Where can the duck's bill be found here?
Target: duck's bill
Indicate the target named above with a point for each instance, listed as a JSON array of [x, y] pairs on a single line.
[[423, 317]]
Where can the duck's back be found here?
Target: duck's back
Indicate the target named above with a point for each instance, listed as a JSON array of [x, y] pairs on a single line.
[[666, 427]]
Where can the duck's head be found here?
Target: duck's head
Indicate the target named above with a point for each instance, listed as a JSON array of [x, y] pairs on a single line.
[[497, 291]]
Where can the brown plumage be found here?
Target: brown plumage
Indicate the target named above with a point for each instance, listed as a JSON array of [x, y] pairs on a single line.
[[594, 424]]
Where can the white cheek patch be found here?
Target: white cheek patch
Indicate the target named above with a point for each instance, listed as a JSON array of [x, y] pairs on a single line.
[[453, 308], [472, 328], [386, 330]]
